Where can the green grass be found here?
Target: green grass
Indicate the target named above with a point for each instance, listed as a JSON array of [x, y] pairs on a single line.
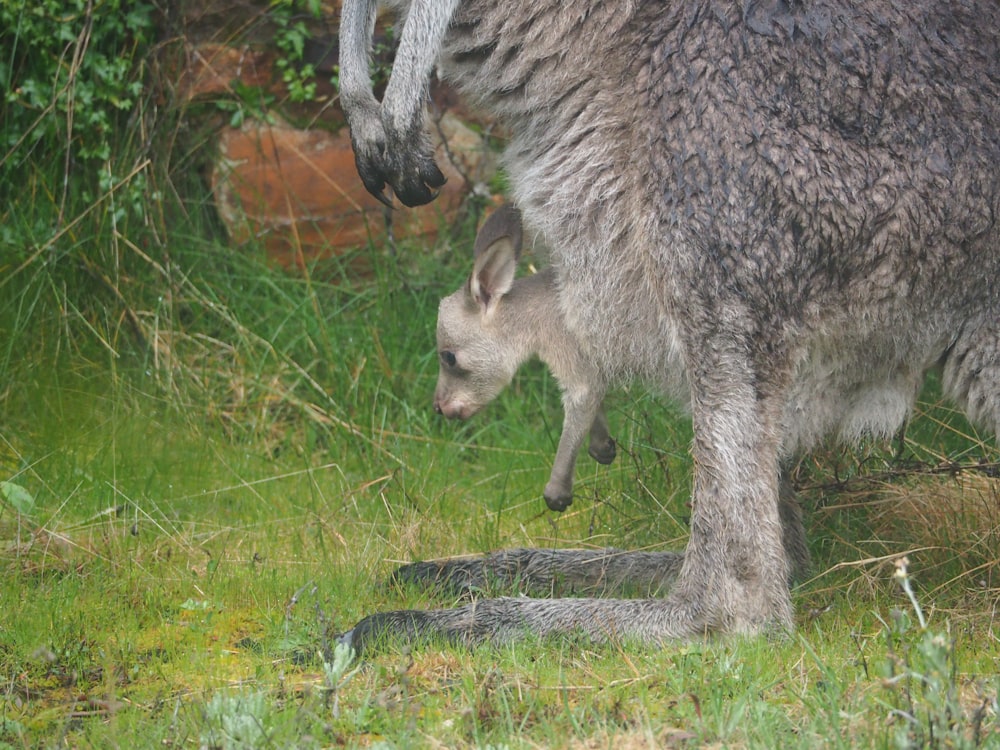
[[219, 464], [209, 506]]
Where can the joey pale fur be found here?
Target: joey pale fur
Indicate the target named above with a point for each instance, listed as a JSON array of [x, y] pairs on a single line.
[[493, 324], [783, 213]]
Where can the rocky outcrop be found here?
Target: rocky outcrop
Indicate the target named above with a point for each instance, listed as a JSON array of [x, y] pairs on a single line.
[[298, 192], [287, 179]]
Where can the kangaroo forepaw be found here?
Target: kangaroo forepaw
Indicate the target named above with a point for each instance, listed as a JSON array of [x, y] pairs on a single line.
[[402, 161]]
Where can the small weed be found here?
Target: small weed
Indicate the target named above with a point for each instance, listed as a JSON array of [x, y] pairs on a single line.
[[336, 674], [925, 705], [17, 497], [236, 721]]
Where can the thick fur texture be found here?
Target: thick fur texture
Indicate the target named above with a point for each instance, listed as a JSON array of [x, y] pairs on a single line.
[[792, 204]]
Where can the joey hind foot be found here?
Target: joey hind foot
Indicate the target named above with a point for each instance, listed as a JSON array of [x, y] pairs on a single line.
[[604, 452], [558, 495]]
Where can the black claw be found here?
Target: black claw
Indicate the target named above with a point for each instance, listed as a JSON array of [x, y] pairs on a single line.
[[419, 194], [372, 179], [435, 178], [412, 198], [382, 197]]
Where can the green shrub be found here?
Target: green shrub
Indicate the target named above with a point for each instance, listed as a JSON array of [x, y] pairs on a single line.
[[68, 73]]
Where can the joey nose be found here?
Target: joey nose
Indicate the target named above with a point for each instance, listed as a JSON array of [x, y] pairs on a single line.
[[438, 398], [451, 408]]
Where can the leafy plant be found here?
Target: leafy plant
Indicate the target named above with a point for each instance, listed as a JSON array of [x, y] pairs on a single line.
[[383, 53], [17, 497], [79, 194], [67, 74], [336, 674], [248, 101], [925, 708], [236, 721], [290, 39]]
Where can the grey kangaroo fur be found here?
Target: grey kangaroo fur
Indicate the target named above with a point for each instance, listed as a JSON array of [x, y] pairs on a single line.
[[792, 205], [490, 326]]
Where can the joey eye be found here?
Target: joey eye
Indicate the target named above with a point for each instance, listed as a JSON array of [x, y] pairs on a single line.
[[448, 358]]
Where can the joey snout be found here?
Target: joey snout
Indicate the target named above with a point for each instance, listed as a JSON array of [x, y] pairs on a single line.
[[448, 410], [453, 407]]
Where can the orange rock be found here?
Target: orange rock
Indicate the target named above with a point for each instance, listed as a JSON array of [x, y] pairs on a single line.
[[298, 190], [210, 69]]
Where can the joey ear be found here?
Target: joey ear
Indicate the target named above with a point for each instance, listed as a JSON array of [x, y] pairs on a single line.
[[504, 222], [497, 248], [493, 274]]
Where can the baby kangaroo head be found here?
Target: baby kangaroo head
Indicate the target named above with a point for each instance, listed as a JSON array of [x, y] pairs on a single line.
[[478, 346]]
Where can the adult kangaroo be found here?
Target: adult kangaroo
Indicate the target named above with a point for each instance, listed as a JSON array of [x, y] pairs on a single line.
[[791, 207]]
